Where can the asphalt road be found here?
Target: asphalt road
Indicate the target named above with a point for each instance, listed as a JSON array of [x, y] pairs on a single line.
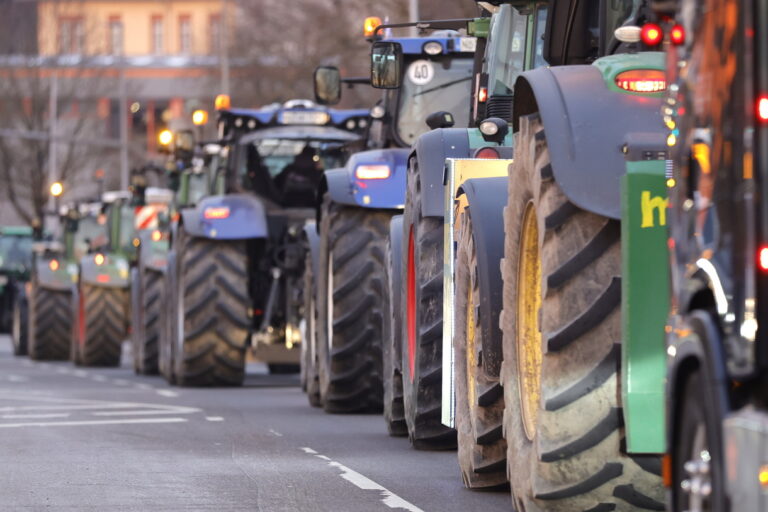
[[106, 439]]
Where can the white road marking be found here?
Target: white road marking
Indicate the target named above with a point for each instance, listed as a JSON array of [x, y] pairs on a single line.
[[389, 498], [17, 378], [34, 416], [167, 392], [214, 418], [275, 433], [94, 422]]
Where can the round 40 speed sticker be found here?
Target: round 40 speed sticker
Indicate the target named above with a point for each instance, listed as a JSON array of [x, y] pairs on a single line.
[[421, 72]]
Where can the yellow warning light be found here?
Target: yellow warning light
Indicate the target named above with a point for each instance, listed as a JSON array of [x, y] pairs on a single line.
[[671, 140], [57, 189], [99, 259], [199, 117], [165, 137], [222, 102], [136, 242], [762, 475], [370, 25], [670, 182], [156, 236]]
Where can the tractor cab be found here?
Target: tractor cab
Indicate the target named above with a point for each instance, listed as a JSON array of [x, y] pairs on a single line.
[[279, 152], [15, 266]]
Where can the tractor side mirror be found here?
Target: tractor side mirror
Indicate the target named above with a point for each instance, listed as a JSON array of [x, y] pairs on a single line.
[[386, 65], [440, 119], [327, 85]]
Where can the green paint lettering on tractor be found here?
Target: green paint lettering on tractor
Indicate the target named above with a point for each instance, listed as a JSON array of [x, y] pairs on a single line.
[[645, 304], [612, 65]]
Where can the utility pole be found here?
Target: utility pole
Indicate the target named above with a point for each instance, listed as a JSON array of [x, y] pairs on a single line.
[[53, 114], [413, 15], [123, 116], [224, 46]]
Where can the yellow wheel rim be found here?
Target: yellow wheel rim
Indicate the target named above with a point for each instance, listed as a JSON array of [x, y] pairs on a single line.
[[471, 359], [528, 338]]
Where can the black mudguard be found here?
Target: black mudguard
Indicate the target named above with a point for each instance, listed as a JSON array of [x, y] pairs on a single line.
[[430, 152], [702, 351], [486, 198], [587, 126], [396, 272]]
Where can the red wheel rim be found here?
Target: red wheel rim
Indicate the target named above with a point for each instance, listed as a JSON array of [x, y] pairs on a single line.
[[410, 313]]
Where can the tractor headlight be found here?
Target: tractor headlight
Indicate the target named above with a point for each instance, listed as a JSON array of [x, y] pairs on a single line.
[[433, 48], [377, 112], [351, 125]]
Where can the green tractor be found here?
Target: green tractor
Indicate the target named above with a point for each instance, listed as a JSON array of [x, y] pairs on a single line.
[[48, 295], [100, 299], [557, 350], [15, 267]]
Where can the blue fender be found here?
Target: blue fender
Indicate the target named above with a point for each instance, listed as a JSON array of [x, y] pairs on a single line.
[[587, 126], [344, 187], [430, 151], [227, 217]]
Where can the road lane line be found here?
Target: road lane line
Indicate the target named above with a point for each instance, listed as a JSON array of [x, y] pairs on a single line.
[[214, 418], [275, 433], [145, 387], [167, 392], [389, 498], [34, 416], [94, 422]]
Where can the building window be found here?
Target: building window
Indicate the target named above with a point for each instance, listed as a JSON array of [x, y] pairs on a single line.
[[215, 35], [71, 36], [115, 36], [158, 43], [185, 34]]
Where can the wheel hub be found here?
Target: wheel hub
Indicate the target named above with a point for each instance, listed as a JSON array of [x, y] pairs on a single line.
[[698, 485], [528, 339]]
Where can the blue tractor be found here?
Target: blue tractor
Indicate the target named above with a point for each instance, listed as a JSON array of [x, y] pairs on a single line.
[[348, 366], [237, 257]]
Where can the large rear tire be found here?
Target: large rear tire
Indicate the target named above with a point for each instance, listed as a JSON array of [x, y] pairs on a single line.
[[20, 322], [351, 289], [50, 323], [147, 319], [479, 400], [102, 325], [169, 322], [561, 332], [309, 343], [422, 312], [394, 411], [212, 290]]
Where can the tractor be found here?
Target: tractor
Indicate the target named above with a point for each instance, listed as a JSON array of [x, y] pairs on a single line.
[[45, 312], [716, 124], [237, 257], [556, 351], [101, 297], [348, 318], [15, 267]]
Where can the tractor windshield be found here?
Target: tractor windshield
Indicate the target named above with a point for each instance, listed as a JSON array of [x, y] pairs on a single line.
[[430, 86], [91, 234], [15, 253]]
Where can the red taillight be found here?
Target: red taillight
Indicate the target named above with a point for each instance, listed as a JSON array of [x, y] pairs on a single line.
[[677, 35], [762, 108], [651, 34], [53, 265], [762, 258], [482, 95], [102, 278], [372, 172], [487, 154], [216, 212], [642, 80]]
